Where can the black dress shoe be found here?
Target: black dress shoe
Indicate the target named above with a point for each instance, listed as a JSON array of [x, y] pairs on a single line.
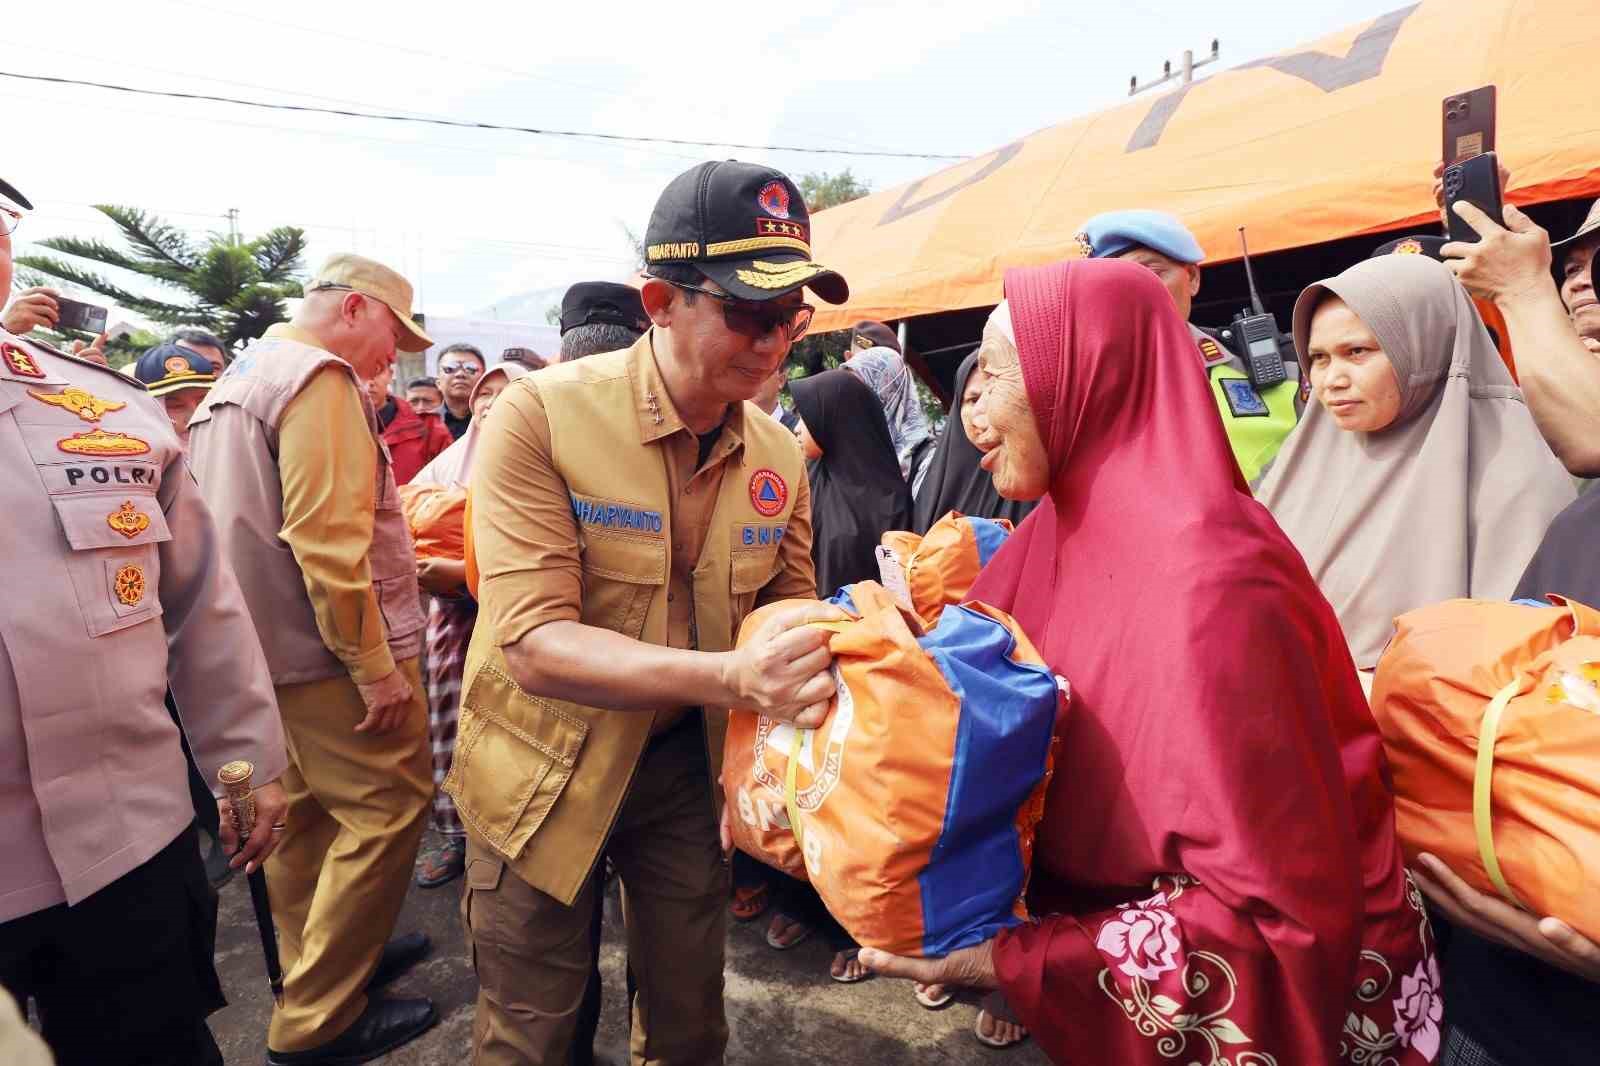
[[382, 1027], [399, 955]]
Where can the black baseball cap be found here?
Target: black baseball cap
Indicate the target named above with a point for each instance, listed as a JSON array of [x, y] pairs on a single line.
[[1418, 244], [745, 227], [168, 368], [876, 334], [10, 192], [589, 302]]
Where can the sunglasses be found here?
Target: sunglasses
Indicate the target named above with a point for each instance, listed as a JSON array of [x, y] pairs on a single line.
[[10, 219], [748, 318], [452, 369]]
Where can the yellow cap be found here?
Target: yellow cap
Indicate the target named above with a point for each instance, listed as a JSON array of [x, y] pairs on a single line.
[[371, 278]]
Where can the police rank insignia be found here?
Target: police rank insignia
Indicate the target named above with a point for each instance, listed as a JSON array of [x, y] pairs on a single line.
[[128, 520], [80, 402], [1211, 351], [1243, 399], [20, 362], [768, 493], [774, 199], [103, 443], [128, 584]]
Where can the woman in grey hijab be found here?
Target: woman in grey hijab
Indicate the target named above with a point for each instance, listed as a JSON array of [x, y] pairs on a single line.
[[885, 370], [1419, 475]]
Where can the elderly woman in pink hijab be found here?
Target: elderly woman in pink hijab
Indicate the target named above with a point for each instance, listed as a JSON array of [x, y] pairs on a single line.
[[451, 614]]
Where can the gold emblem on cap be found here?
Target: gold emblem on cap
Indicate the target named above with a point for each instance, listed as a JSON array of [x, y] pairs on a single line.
[[1409, 246], [81, 402], [128, 520], [777, 275], [129, 585]]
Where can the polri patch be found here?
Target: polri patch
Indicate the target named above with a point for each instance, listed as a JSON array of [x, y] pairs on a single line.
[[81, 402], [20, 362], [104, 443], [768, 493], [128, 520], [760, 536], [1243, 399], [605, 515]]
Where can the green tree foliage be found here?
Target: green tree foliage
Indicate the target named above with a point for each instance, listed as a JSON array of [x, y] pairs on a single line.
[[823, 190], [231, 287]]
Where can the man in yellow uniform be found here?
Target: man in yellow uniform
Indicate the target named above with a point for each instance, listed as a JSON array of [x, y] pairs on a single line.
[[288, 454], [1257, 420], [629, 510]]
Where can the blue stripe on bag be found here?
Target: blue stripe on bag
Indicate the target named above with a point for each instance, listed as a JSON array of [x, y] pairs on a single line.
[[990, 535], [975, 873]]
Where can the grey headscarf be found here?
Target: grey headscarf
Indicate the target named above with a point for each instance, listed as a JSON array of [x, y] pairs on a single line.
[[885, 370], [1450, 500]]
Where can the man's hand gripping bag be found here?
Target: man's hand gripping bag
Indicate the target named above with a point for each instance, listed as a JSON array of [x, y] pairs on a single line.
[[917, 798]]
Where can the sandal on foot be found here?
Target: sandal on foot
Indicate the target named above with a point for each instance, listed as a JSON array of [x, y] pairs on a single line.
[[996, 1007], [777, 944], [849, 955], [930, 1002], [442, 863], [750, 903]]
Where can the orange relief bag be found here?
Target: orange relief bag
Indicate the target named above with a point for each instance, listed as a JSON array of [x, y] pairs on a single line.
[[913, 806], [436, 516], [938, 569], [1490, 714]]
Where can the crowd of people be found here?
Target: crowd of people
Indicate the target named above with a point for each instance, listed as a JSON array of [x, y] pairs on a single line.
[[215, 565]]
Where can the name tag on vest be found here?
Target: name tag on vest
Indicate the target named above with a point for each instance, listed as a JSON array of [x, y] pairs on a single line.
[[609, 514]]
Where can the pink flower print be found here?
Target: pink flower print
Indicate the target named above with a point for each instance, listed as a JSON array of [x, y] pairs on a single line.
[[1144, 937], [1419, 1009]]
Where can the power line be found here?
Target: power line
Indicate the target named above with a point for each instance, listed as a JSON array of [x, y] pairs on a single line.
[[467, 124]]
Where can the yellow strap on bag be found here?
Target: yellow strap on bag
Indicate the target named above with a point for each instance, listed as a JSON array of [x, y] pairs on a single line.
[[1482, 779], [789, 777]]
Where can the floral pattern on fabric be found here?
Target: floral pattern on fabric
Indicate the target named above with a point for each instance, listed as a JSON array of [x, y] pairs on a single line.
[[1144, 936], [1418, 1009]]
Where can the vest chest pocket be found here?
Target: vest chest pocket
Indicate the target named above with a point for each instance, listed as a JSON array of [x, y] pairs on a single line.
[[114, 561], [513, 758], [751, 564], [621, 572]]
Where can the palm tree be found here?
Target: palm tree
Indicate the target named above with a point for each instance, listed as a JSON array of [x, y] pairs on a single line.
[[231, 287]]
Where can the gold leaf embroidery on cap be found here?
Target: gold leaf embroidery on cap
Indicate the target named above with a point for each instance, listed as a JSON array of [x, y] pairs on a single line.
[[128, 520], [758, 244], [777, 275]]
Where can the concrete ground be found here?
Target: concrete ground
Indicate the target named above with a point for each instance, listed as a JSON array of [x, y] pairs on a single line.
[[782, 1008]]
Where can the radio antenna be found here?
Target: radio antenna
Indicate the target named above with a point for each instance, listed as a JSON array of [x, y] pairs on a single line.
[[1250, 277]]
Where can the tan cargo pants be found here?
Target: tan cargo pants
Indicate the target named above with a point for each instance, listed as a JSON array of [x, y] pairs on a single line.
[[533, 955], [358, 803]]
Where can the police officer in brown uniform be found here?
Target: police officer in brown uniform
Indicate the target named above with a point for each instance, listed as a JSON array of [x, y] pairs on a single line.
[[288, 452], [116, 587], [629, 510]]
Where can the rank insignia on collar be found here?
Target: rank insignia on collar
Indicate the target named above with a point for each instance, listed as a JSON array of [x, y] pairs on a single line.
[[128, 585], [128, 520], [1211, 351], [20, 362], [100, 442], [80, 402], [768, 493]]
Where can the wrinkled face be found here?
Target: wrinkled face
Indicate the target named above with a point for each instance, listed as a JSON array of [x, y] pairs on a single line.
[[1577, 287], [180, 407], [493, 385], [424, 400], [458, 372], [725, 366], [1002, 425], [1351, 376], [1181, 279], [369, 334]]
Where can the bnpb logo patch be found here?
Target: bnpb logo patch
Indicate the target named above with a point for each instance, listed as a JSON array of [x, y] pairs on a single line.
[[768, 493], [774, 199]]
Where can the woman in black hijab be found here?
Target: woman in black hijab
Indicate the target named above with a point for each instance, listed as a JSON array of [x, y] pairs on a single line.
[[954, 481], [857, 492]]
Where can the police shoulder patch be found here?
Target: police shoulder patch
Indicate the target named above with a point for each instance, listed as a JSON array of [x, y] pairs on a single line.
[[1243, 399]]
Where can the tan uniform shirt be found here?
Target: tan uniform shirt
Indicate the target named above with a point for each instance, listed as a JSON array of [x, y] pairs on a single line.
[[115, 588]]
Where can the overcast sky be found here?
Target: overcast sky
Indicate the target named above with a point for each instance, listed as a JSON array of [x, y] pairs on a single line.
[[477, 217]]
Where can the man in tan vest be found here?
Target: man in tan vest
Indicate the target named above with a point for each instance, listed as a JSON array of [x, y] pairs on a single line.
[[288, 453], [629, 510]]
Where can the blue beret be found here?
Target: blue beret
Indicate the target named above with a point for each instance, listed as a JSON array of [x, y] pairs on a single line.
[[1112, 233]]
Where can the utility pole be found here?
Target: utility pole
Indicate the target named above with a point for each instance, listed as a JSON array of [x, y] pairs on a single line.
[[233, 225], [1185, 72]]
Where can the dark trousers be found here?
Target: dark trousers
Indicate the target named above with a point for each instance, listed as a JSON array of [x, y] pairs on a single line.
[[125, 978]]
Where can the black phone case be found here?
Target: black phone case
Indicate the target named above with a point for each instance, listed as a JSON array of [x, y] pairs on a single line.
[[1476, 180]]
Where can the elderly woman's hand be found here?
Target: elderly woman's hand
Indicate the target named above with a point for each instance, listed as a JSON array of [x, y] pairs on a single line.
[[970, 967], [1548, 939], [1509, 262]]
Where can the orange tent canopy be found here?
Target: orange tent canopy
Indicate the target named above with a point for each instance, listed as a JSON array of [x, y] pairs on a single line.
[[1336, 139]]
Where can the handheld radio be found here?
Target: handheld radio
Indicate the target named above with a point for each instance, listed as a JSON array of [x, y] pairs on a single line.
[[1256, 334]]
